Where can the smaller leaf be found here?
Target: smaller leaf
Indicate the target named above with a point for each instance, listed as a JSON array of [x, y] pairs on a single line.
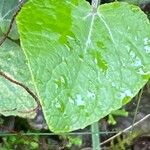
[[14, 99], [7, 11]]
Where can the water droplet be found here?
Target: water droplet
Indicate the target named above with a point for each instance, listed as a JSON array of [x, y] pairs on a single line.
[[62, 79], [147, 49], [141, 71], [90, 95], [137, 62], [132, 54], [136, 39], [79, 100], [88, 42], [57, 105], [128, 48], [144, 73], [146, 40], [125, 94], [128, 93], [95, 60], [147, 45], [113, 84], [71, 100]]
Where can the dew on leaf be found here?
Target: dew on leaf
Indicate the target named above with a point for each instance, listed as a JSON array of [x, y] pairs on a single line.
[[135, 38], [113, 84], [141, 71], [146, 41], [144, 73], [137, 62], [57, 105], [132, 54], [71, 100], [90, 95], [101, 28], [62, 79], [147, 49], [147, 45], [79, 100], [125, 94], [60, 106], [128, 48]]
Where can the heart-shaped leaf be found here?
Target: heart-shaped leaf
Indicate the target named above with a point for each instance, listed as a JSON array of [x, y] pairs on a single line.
[[84, 63]]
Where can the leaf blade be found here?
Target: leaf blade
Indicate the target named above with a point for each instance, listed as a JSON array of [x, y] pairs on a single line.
[[15, 99], [75, 74]]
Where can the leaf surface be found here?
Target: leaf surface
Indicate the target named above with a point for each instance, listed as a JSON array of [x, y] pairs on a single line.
[[7, 9], [14, 99], [84, 64]]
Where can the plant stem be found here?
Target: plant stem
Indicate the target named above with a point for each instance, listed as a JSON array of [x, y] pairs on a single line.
[[95, 126], [95, 4], [95, 136]]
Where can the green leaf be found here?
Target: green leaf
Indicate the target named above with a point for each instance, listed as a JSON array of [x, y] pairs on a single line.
[[14, 99], [7, 10], [84, 64]]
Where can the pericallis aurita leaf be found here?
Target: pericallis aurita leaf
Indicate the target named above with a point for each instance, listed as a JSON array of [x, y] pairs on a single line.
[[14, 99], [84, 64]]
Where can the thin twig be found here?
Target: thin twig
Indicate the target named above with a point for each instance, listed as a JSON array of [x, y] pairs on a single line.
[[95, 136], [137, 107], [24, 87], [130, 127]]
